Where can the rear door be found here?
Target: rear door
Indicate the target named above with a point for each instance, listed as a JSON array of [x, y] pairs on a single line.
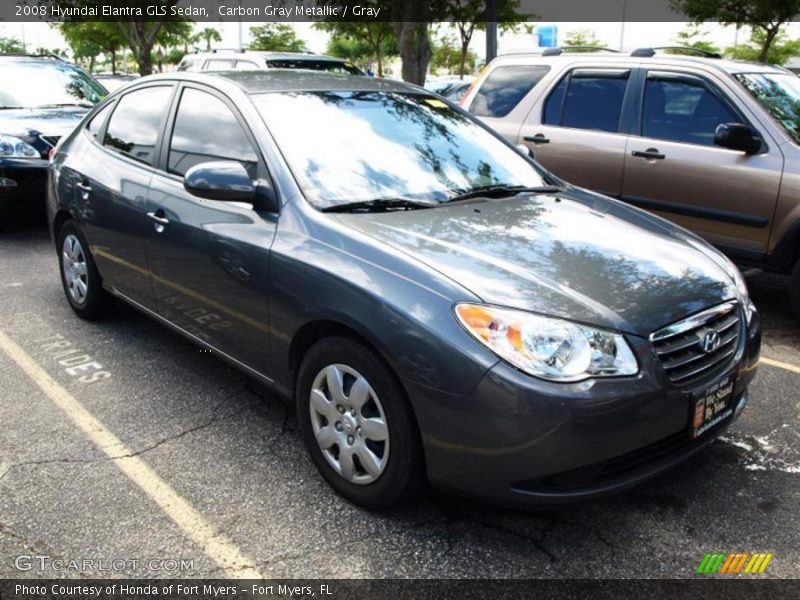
[[210, 259], [115, 174], [672, 166], [578, 131]]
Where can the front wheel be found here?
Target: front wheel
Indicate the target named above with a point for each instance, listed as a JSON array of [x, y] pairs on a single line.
[[79, 276], [794, 289], [357, 424]]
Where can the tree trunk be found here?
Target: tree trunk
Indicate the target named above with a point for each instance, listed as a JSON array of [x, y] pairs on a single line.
[[379, 59], [770, 37], [114, 61], [145, 59], [410, 23], [463, 63], [91, 64]]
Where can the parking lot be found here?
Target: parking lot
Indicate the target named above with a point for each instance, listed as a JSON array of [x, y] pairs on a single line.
[[172, 454]]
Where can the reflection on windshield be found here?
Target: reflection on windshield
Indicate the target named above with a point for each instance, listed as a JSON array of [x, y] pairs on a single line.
[[779, 94], [357, 146], [47, 84]]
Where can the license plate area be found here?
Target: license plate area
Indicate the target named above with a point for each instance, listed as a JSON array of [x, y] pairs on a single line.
[[712, 406]]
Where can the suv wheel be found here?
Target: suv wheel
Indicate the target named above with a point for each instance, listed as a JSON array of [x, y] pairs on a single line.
[[794, 289], [79, 275], [357, 424]]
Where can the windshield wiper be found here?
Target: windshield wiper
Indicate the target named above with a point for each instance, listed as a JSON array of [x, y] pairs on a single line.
[[378, 205], [503, 190]]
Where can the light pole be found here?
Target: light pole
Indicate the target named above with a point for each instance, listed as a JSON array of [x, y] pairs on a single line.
[[491, 30]]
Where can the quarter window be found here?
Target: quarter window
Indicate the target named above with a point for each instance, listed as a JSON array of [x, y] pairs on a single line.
[[136, 122], [588, 99], [97, 121], [683, 109], [504, 88], [206, 130]]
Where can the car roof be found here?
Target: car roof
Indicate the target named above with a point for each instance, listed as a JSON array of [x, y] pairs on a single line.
[[293, 80], [720, 64], [34, 59]]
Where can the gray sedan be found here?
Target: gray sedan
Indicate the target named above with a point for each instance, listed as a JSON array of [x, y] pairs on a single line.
[[440, 307]]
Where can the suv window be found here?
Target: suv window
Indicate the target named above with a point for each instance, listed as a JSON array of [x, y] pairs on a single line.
[[246, 65], [504, 88], [588, 99], [219, 65], [136, 122], [206, 130], [97, 121], [683, 108]]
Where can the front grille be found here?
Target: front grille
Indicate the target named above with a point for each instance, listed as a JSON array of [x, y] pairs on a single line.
[[680, 346]]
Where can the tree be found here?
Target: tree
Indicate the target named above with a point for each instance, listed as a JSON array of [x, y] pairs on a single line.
[[88, 39], [469, 15], [410, 20], [780, 51], [689, 37], [9, 45], [447, 55], [767, 16], [278, 37], [582, 37], [209, 34], [361, 40]]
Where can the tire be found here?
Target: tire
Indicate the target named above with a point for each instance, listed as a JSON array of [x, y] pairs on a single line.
[[337, 441], [794, 290], [79, 277]]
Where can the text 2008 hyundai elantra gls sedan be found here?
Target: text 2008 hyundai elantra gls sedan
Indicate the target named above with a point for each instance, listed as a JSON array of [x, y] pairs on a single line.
[[440, 307]]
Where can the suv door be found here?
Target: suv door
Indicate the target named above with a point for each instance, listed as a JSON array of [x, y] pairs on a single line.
[[673, 167], [578, 132], [210, 259], [113, 181]]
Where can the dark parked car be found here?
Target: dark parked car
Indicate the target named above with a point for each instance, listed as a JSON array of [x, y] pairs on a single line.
[[253, 60], [438, 305], [41, 99]]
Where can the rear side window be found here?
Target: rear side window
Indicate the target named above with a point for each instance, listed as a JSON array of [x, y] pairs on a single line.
[[503, 89], [136, 122], [206, 130], [96, 124], [683, 109], [588, 99]]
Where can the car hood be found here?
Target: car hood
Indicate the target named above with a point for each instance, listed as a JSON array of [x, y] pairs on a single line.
[[56, 122], [579, 256]]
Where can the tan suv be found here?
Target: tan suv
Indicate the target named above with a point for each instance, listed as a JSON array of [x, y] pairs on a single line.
[[711, 144]]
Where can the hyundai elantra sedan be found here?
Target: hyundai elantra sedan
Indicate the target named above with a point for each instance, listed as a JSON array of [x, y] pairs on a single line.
[[440, 307]]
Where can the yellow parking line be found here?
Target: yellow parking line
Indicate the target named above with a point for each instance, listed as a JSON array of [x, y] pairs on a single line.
[[215, 544], [780, 365]]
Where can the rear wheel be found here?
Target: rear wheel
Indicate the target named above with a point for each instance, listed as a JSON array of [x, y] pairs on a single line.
[[357, 424], [794, 289], [79, 276]]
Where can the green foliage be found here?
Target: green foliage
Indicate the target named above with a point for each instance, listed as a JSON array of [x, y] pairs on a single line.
[[208, 35], [692, 37], [780, 51], [582, 37], [9, 45], [362, 42], [447, 57], [278, 37]]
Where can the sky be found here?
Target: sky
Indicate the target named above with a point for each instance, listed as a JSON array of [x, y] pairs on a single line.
[[635, 35]]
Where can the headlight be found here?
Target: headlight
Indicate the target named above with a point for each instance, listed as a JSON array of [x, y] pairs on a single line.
[[549, 348], [741, 286], [12, 147]]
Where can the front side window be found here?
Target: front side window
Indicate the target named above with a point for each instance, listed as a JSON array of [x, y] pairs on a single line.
[[588, 99], [47, 84], [504, 88], [206, 130], [354, 146], [135, 124], [779, 94], [683, 109]]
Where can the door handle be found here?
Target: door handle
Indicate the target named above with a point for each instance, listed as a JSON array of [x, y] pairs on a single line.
[[539, 138], [84, 186], [650, 153], [159, 219]]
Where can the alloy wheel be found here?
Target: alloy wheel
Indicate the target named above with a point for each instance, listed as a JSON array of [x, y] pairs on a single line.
[[73, 264]]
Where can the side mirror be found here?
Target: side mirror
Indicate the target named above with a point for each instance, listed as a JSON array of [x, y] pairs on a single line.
[[525, 151], [220, 180], [737, 136]]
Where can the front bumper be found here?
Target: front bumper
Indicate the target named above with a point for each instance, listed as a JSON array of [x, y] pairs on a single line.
[[518, 440], [23, 184]]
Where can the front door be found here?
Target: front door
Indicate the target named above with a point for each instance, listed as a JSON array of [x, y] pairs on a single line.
[[210, 259], [674, 168]]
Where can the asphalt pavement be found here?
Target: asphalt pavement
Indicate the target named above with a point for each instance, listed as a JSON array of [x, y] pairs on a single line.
[[163, 456]]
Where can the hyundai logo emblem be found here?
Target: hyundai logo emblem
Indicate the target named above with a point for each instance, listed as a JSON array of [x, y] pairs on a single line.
[[710, 341]]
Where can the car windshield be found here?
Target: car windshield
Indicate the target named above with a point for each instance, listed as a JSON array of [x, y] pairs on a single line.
[[357, 146], [47, 84], [779, 94], [331, 66]]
